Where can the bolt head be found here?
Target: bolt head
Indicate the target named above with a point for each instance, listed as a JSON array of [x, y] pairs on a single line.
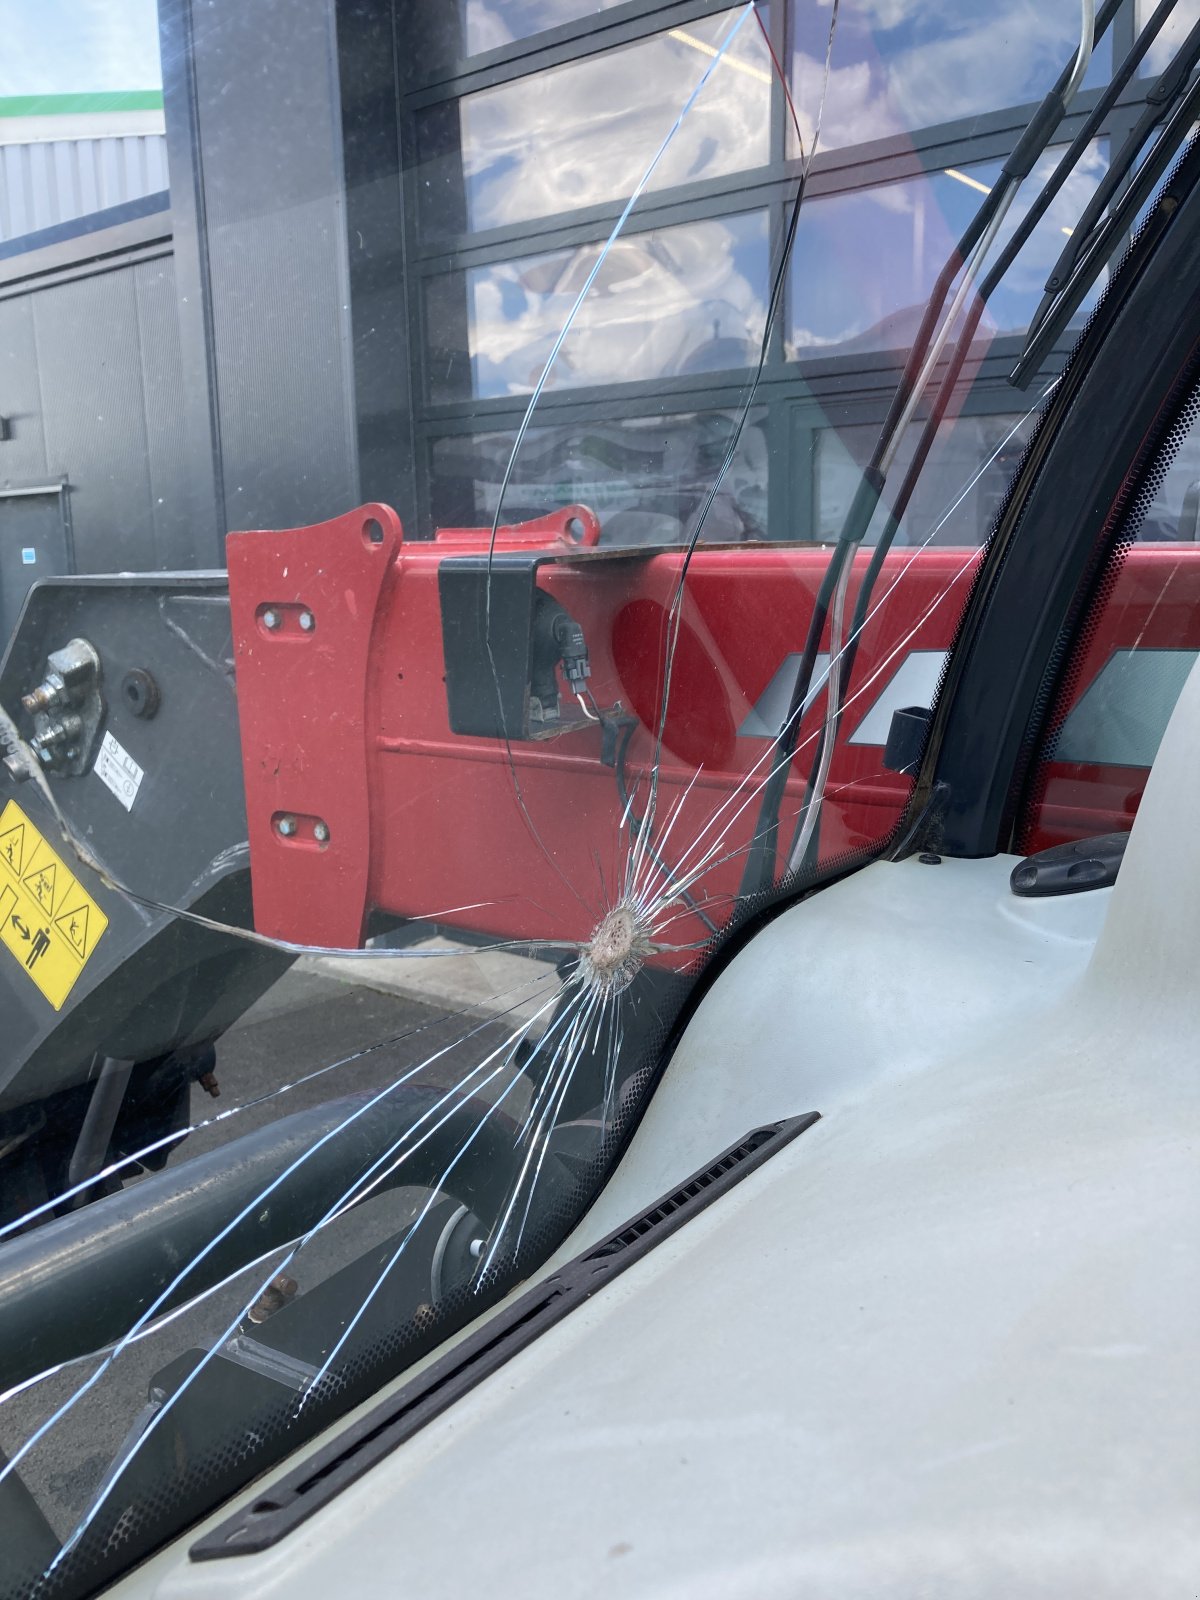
[[321, 832], [307, 621], [271, 619], [286, 826]]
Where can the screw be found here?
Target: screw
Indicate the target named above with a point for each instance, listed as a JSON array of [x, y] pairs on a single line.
[[321, 832], [307, 621], [286, 826], [271, 620]]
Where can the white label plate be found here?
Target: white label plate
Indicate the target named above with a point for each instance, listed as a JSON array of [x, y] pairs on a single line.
[[116, 768]]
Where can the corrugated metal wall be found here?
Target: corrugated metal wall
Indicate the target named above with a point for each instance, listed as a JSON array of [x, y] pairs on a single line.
[[92, 388], [56, 180]]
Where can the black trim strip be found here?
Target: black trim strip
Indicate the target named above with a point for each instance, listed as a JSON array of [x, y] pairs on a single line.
[[281, 1508]]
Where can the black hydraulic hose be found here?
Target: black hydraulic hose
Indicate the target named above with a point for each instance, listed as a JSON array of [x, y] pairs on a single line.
[[760, 863], [79, 1283]]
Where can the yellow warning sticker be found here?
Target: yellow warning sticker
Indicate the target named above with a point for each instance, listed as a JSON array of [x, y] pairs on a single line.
[[48, 921]]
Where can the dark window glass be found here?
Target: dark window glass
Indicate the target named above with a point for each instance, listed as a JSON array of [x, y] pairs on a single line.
[[1175, 30], [959, 490], [904, 64], [647, 478], [665, 303], [841, 299], [491, 24], [583, 134]]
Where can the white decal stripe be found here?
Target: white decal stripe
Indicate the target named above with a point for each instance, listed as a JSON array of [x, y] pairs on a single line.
[[767, 718], [914, 683]]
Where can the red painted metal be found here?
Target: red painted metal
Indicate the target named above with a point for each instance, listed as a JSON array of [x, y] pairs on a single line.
[[304, 706], [348, 724], [570, 528]]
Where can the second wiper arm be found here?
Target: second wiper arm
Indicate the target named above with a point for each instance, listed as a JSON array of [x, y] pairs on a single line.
[[1082, 258]]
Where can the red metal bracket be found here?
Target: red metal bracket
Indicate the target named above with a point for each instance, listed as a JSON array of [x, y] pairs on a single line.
[[304, 607]]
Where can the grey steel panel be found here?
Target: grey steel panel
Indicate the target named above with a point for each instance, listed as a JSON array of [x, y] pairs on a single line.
[[91, 377], [34, 544], [282, 367], [175, 544], [276, 258], [23, 453]]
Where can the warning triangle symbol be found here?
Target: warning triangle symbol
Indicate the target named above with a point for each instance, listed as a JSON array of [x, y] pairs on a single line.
[[12, 848], [40, 883], [74, 924]]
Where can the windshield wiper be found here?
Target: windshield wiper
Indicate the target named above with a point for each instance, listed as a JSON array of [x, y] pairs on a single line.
[[1176, 93]]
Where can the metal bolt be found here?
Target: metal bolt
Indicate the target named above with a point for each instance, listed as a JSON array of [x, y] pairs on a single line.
[[475, 1248], [286, 826], [271, 619], [321, 832], [274, 1297], [307, 621]]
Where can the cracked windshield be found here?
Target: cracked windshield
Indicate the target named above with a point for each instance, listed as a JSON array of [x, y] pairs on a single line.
[[487, 491]]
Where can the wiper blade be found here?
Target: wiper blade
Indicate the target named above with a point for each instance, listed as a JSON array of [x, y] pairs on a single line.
[[1176, 91]]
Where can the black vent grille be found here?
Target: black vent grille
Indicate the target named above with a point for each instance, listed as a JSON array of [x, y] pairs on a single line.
[[633, 1231]]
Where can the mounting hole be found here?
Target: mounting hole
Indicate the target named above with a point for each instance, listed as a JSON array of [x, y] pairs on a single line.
[[575, 528], [140, 692], [372, 531]]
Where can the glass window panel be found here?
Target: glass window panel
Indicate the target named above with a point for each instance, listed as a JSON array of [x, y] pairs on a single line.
[[646, 478], [842, 302], [905, 64], [1175, 30], [666, 303], [489, 24], [958, 493], [583, 134]]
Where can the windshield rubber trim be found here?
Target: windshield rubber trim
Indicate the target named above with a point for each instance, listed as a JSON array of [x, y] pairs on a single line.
[[281, 1508]]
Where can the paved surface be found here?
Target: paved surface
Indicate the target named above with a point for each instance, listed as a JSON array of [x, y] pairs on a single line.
[[366, 1023]]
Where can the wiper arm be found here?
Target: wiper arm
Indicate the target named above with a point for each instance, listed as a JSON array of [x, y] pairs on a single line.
[[922, 360], [1095, 235], [995, 275]]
